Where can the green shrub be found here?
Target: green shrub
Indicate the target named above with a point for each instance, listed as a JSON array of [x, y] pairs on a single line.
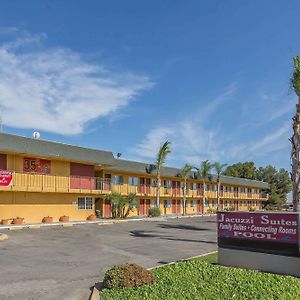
[[203, 279], [271, 207], [211, 210], [230, 208], [127, 275], [154, 212]]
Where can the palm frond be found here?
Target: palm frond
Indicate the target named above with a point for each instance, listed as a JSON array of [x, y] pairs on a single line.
[[204, 169], [186, 170], [295, 80], [162, 154], [219, 168]]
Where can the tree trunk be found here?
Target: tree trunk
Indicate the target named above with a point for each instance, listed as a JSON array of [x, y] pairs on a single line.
[[295, 174], [203, 199], [218, 194], [184, 197], [158, 184]]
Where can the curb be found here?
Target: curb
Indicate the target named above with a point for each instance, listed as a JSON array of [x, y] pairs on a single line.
[[15, 228], [102, 222], [184, 259], [107, 223], [34, 226], [95, 295]]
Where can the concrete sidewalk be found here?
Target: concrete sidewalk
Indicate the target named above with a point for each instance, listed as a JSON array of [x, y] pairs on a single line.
[[98, 221]]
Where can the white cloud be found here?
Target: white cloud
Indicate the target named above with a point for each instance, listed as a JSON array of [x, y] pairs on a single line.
[[148, 147], [56, 90], [270, 143], [197, 138], [271, 139], [192, 141]]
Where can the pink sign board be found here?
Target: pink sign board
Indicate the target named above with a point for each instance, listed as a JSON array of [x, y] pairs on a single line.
[[5, 178], [272, 227]]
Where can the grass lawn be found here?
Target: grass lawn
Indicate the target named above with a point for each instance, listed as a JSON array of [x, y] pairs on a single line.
[[201, 278]]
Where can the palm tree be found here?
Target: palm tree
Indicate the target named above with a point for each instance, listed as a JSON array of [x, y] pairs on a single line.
[[164, 150], [120, 205], [219, 168], [203, 173], [295, 139], [184, 172]]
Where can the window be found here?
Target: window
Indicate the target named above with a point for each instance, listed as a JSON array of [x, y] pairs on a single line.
[[206, 202], [193, 186], [153, 182], [193, 203], [133, 181], [225, 203], [153, 203], [213, 203], [117, 179], [84, 203], [167, 184]]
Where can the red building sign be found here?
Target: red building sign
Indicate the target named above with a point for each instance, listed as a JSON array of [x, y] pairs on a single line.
[[36, 165], [268, 227], [5, 178]]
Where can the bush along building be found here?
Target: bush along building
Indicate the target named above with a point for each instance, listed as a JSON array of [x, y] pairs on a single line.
[[41, 179]]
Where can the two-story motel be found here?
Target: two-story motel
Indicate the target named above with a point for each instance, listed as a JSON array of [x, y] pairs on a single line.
[[40, 178]]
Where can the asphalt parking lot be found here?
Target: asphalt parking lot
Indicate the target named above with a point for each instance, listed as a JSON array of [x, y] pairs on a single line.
[[62, 263]]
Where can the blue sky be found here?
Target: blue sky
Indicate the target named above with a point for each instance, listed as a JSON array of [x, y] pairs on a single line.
[[211, 76]]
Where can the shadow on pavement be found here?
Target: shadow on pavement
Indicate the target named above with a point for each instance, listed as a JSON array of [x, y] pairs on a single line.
[[150, 234], [182, 226]]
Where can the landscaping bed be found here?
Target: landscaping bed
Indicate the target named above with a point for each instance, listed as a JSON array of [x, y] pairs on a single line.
[[202, 278]]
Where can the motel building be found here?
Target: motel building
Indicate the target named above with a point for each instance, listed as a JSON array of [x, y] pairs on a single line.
[[40, 178]]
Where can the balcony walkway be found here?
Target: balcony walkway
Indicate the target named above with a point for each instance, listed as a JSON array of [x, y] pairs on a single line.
[[29, 182]]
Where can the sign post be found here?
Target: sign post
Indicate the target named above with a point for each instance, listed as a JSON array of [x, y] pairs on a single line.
[[260, 240]]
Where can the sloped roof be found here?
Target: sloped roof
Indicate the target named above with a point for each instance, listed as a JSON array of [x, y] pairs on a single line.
[[30, 146], [25, 145], [139, 167]]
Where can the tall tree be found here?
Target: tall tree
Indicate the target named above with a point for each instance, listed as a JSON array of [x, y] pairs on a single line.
[[219, 168], [242, 169], [279, 184], [295, 139], [278, 180], [203, 173], [184, 172], [161, 156]]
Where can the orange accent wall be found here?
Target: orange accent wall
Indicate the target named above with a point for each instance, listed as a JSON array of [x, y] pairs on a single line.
[[3, 163]]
